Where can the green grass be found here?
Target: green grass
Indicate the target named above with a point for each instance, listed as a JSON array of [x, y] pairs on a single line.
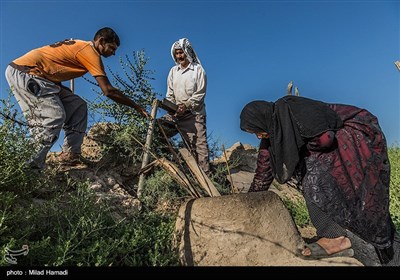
[[65, 224], [74, 229], [299, 212]]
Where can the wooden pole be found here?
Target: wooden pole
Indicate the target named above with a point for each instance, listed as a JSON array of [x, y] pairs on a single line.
[[234, 189], [72, 85], [289, 88], [397, 63], [147, 146]]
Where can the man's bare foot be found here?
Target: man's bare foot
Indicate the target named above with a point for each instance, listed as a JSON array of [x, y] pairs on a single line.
[[331, 245]]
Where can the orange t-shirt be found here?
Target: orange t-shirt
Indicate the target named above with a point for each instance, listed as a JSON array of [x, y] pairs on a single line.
[[63, 61]]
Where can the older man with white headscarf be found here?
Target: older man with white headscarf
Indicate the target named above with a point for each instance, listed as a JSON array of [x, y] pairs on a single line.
[[187, 83]]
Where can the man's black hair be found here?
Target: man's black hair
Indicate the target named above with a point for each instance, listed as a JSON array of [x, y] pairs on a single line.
[[108, 34]]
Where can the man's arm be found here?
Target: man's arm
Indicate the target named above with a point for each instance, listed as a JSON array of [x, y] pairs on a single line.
[[116, 95]]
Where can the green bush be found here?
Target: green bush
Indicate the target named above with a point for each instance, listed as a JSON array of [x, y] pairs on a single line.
[[15, 150], [161, 191], [74, 229]]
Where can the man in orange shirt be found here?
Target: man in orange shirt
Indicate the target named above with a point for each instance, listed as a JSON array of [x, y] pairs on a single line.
[[35, 79]]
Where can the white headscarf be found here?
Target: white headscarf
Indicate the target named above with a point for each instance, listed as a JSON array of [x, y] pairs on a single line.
[[187, 48]]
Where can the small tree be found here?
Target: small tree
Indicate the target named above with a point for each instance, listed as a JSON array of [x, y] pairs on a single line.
[[132, 127], [135, 84]]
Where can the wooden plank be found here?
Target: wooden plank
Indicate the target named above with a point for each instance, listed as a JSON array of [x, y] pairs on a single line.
[[203, 179], [175, 173]]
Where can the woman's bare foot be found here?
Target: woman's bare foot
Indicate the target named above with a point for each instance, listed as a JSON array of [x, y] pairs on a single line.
[[331, 245]]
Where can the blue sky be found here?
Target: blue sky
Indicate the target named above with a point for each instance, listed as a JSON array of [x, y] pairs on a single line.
[[333, 51]]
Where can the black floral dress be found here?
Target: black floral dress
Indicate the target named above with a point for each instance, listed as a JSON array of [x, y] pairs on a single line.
[[346, 173]]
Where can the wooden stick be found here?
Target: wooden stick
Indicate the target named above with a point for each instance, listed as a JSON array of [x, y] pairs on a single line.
[[72, 85], [397, 63], [149, 139], [233, 189]]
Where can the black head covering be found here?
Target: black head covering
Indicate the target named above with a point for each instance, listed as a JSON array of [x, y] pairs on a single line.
[[256, 116], [290, 121]]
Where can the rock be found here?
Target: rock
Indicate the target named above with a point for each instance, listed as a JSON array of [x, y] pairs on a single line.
[[93, 143], [240, 158], [253, 229], [241, 180]]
